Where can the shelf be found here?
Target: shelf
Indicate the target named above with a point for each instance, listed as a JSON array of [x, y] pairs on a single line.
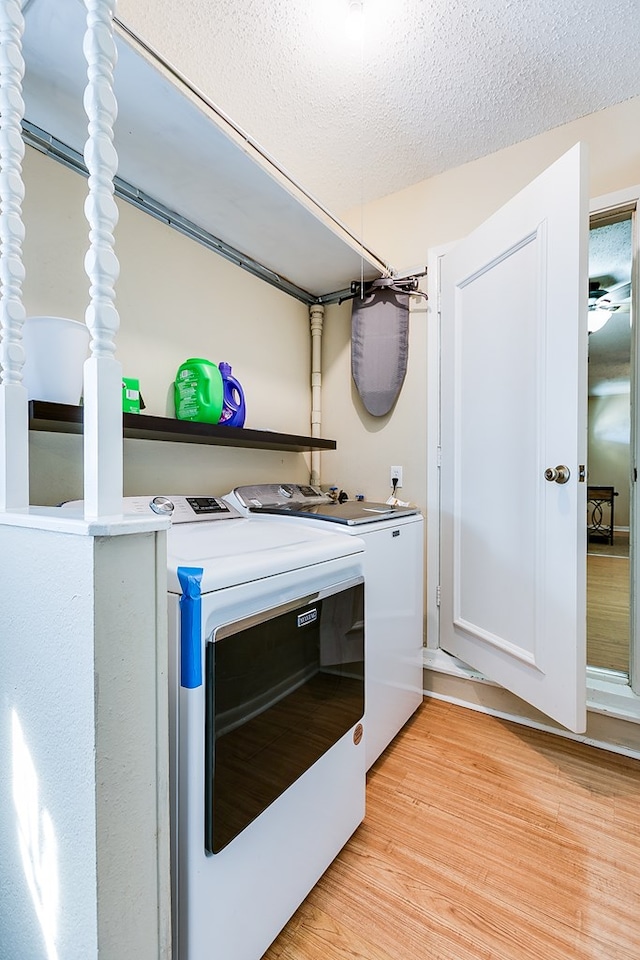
[[64, 418], [178, 152]]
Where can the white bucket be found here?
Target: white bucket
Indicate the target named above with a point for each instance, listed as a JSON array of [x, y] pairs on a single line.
[[55, 351]]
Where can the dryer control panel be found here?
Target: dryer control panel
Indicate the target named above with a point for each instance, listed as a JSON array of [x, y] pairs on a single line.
[[178, 509]]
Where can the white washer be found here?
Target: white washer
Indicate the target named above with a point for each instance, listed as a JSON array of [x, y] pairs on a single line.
[[266, 681], [394, 591]]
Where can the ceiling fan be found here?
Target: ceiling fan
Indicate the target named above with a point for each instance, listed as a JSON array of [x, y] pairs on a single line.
[[604, 303]]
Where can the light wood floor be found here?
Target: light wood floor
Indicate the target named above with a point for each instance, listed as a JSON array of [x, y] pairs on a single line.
[[608, 612], [483, 840]]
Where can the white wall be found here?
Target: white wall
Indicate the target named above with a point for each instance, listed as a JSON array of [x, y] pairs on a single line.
[[47, 791], [609, 455], [84, 839], [176, 300]]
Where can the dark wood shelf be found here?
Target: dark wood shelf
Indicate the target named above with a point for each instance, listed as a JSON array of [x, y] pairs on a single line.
[[65, 418]]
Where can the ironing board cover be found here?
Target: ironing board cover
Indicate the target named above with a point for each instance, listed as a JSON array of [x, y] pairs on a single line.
[[379, 348]]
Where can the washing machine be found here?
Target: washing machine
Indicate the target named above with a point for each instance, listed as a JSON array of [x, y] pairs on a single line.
[[394, 591], [266, 683]]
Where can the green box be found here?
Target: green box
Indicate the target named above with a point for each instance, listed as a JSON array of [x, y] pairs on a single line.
[[130, 395]]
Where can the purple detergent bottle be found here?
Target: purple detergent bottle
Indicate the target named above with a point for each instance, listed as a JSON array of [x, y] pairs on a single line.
[[233, 406]]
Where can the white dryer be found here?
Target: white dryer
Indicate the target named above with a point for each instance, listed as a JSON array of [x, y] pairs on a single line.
[[394, 591], [266, 630]]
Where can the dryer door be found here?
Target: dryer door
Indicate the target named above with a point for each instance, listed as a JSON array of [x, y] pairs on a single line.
[[282, 688]]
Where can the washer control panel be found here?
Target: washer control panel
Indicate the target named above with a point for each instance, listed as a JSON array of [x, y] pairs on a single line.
[[274, 494]]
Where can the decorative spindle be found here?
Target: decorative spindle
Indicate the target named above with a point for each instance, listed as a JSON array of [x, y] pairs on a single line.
[[102, 373], [101, 263], [14, 463]]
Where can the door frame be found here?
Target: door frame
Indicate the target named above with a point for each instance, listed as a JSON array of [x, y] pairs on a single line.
[[605, 693], [610, 203]]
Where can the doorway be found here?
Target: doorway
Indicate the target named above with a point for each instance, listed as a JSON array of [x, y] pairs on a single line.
[[610, 455], [616, 692], [512, 316]]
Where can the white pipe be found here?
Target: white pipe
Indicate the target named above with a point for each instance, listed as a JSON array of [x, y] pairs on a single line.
[[316, 317]]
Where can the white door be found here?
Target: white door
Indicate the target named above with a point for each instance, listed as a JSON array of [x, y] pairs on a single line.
[[514, 403]]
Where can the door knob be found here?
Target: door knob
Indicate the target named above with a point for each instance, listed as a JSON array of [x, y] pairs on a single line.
[[559, 474]]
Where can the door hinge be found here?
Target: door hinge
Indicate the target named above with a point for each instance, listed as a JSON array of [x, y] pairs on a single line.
[[439, 457], [438, 595]]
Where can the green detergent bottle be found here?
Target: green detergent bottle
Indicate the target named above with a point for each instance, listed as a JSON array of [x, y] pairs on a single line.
[[198, 391]]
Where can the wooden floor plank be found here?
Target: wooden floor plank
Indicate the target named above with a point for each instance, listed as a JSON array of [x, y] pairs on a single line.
[[483, 840], [608, 605]]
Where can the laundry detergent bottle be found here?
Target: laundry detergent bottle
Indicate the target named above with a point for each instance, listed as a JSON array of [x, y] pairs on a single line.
[[233, 407], [198, 391]]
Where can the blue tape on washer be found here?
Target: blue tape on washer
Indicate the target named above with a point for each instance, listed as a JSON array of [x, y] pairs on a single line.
[[190, 627]]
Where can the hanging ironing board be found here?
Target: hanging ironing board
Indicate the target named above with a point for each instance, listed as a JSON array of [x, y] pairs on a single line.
[[380, 348]]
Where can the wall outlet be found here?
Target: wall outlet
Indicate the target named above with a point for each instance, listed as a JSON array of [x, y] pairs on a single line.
[[396, 474]]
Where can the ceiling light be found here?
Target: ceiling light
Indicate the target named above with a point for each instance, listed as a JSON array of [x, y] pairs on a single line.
[[354, 26]]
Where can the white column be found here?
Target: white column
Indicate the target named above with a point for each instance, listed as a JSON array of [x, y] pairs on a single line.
[[14, 419], [102, 372], [316, 314]]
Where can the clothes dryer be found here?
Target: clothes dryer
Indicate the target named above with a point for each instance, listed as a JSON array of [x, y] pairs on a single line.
[[394, 591]]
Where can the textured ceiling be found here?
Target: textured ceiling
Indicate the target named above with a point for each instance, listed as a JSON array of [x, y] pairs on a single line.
[[611, 252], [357, 111]]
